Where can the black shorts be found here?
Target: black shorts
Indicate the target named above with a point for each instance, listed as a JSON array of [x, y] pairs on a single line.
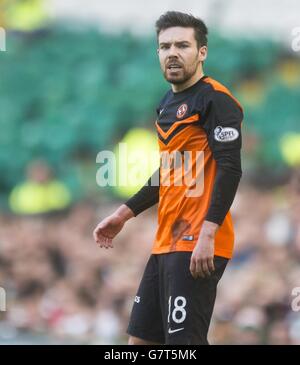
[[171, 307]]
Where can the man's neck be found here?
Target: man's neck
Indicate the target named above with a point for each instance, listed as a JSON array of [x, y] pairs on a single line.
[[190, 82]]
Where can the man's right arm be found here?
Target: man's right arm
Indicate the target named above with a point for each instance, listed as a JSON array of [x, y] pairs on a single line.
[[146, 197]]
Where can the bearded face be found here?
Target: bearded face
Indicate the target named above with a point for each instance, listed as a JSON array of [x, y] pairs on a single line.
[[180, 58]]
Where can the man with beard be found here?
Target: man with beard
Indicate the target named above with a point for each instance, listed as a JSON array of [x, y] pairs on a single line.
[[199, 134]]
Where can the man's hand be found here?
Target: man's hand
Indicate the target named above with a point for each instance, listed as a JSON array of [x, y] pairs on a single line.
[[202, 260], [109, 227]]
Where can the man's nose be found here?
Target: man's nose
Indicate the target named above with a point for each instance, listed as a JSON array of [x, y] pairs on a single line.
[[173, 51]]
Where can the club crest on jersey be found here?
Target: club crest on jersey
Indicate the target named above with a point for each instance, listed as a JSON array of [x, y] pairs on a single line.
[[226, 134], [181, 111]]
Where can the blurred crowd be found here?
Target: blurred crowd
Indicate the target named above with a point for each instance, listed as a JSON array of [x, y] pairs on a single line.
[[60, 284]]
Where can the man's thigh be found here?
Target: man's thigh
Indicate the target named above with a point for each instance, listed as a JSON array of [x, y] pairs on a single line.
[[146, 320], [187, 303]]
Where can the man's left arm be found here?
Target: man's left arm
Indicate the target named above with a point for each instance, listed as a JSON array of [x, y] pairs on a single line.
[[223, 128]]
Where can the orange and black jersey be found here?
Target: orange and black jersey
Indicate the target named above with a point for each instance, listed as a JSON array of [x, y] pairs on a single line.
[[201, 123]]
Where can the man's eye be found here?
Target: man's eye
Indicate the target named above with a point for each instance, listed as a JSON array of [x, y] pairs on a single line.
[[183, 46]]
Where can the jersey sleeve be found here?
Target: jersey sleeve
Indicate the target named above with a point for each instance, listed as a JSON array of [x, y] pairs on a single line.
[[147, 196], [222, 123]]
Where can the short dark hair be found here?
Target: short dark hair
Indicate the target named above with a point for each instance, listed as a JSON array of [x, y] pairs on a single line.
[[178, 19]]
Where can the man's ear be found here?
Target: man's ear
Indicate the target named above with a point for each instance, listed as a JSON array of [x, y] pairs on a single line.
[[202, 53]]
